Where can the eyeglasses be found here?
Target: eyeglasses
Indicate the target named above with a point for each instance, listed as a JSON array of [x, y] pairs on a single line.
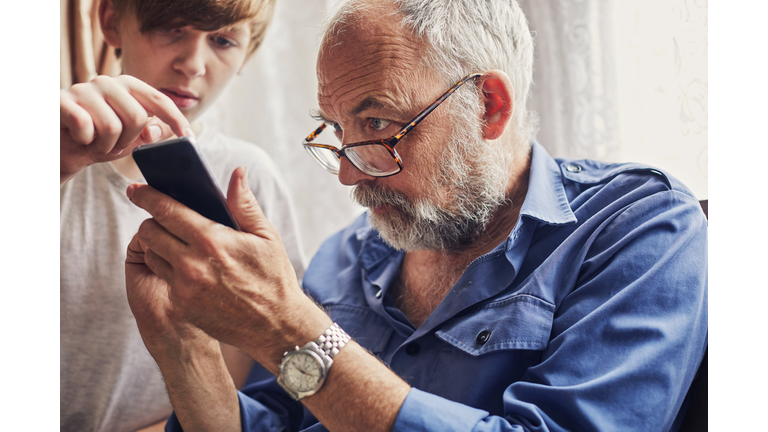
[[376, 158]]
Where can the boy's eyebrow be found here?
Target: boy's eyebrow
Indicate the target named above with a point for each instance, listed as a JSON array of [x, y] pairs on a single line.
[[234, 28]]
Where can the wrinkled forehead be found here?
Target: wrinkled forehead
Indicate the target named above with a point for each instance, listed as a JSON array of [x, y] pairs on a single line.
[[373, 57]]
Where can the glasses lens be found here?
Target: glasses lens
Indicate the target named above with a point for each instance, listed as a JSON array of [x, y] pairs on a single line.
[[325, 157], [373, 159]]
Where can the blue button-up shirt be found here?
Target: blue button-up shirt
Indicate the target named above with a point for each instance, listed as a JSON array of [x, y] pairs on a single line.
[[591, 315]]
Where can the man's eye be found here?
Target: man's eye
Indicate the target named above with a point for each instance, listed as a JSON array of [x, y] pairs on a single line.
[[379, 124], [337, 131]]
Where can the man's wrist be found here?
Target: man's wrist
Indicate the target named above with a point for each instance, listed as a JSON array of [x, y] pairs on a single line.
[[172, 352], [304, 324]]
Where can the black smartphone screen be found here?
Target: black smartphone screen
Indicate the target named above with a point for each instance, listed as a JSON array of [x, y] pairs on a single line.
[[177, 169]]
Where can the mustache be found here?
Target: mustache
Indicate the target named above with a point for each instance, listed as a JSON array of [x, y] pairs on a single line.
[[370, 195]]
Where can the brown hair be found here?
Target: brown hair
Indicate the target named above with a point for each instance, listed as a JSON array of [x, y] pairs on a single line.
[[206, 15]]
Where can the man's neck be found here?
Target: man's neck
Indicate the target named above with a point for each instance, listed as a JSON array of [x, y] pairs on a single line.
[[504, 217], [426, 276]]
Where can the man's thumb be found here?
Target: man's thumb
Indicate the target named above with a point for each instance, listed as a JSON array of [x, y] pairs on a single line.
[[243, 204]]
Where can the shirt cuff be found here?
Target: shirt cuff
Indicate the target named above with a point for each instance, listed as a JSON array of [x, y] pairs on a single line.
[[422, 411]]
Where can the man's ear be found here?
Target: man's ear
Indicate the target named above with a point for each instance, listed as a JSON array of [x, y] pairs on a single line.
[[496, 95], [109, 23]]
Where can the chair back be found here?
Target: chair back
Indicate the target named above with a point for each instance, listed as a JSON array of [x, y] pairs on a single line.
[[696, 418]]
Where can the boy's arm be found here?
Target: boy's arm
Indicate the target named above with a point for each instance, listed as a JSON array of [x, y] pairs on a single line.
[[104, 119], [239, 364]]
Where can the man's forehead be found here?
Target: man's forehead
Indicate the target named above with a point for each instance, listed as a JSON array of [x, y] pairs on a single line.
[[374, 64]]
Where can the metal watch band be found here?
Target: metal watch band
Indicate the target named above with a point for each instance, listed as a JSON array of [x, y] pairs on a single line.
[[323, 349], [332, 340]]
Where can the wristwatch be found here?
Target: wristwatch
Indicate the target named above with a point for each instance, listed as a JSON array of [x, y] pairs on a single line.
[[303, 370]]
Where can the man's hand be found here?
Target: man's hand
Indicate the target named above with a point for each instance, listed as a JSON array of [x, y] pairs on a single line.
[[104, 119], [239, 287], [149, 298], [199, 386]]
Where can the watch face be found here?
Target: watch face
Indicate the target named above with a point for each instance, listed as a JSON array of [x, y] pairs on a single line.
[[302, 371]]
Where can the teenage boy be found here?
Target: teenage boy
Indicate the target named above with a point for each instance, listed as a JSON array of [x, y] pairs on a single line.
[[176, 59]]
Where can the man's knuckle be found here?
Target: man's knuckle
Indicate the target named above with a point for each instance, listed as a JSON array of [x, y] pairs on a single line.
[[152, 259], [145, 228], [209, 246], [188, 269], [164, 209]]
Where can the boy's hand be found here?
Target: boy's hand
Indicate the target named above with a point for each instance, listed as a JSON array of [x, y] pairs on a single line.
[[104, 119]]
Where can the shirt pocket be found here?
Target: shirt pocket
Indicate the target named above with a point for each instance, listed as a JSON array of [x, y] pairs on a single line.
[[365, 326], [518, 322]]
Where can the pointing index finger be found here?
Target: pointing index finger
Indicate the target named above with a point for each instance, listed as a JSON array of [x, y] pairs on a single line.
[[160, 105]]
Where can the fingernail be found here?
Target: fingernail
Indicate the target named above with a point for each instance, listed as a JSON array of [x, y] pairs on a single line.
[[131, 189], [189, 134], [244, 179], [155, 132], [117, 152]]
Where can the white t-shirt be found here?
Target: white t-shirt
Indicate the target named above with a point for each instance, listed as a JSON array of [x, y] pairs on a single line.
[[109, 382]]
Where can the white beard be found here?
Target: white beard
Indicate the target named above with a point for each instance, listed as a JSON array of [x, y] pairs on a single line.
[[473, 175]]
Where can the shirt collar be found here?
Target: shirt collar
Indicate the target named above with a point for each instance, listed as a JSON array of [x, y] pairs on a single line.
[[545, 200]]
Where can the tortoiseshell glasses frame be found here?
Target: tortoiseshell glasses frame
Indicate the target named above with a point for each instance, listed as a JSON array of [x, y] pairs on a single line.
[[376, 158]]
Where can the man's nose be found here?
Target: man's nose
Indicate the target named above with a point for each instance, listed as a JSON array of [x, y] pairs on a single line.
[[349, 175], [191, 60]]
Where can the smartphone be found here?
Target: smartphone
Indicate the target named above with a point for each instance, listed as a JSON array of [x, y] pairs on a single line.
[[177, 168]]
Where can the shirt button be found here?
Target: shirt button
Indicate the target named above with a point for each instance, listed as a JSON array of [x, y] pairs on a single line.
[[574, 168], [483, 337], [378, 294], [412, 349]]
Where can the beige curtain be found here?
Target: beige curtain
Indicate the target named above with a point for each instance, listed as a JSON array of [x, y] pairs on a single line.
[[84, 53]]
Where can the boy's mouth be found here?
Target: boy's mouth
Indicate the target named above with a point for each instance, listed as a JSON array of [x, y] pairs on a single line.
[[182, 99]]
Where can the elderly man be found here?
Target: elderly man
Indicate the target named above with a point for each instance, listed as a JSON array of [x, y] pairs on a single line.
[[489, 286]]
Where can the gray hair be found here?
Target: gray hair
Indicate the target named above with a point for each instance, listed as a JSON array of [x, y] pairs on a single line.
[[464, 36]]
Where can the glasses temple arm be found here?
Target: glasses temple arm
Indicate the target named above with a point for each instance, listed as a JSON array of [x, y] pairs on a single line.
[[429, 109]]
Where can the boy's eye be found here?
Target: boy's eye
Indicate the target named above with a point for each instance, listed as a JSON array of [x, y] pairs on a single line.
[[221, 41], [379, 124]]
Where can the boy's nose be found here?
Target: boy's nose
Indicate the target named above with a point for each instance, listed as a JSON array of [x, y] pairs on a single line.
[[191, 60]]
